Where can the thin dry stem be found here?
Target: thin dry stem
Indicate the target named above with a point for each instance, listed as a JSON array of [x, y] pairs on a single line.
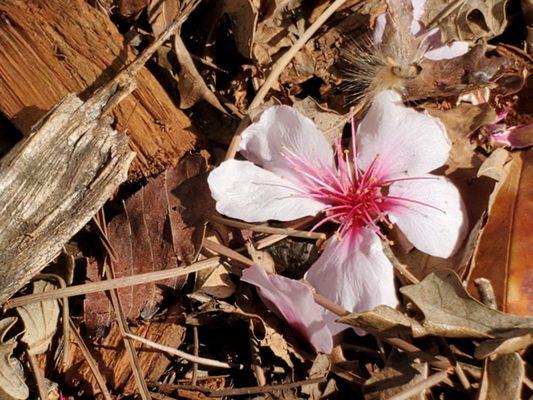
[[37, 374], [121, 319], [93, 366], [268, 229], [117, 283], [186, 356], [433, 380]]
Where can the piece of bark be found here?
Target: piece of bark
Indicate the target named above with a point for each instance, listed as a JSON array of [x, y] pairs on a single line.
[[54, 181], [49, 50]]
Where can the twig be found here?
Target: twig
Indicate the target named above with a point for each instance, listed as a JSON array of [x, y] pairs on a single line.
[[241, 391], [269, 229], [457, 367], [278, 68], [93, 366], [258, 370], [433, 380], [117, 283], [186, 356], [226, 251], [263, 389], [486, 292], [196, 353], [121, 319], [39, 381]]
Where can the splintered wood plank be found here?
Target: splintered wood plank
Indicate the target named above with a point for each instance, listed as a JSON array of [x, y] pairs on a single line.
[[49, 48]]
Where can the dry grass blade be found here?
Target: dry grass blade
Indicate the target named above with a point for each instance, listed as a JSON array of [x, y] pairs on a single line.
[[433, 380], [38, 376], [268, 229], [109, 284], [90, 361], [186, 356]]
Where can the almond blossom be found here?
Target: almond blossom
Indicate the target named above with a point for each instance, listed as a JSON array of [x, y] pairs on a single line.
[[514, 137], [384, 178], [430, 41]]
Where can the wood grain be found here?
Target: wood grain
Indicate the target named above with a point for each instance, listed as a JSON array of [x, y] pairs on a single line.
[[49, 48]]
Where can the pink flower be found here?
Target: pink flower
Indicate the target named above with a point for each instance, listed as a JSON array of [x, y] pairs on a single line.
[[515, 137], [293, 301], [386, 180], [431, 40]]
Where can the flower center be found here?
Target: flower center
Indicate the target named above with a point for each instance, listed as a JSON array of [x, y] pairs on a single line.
[[354, 198]]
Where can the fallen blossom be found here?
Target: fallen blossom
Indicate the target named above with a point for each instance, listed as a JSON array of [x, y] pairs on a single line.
[[293, 301], [514, 137], [430, 44], [293, 172]]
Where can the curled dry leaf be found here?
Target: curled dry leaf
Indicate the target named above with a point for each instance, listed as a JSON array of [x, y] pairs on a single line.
[[450, 311], [162, 225], [40, 320], [467, 20], [12, 381], [502, 378], [398, 375], [460, 122], [502, 254], [503, 346], [384, 320]]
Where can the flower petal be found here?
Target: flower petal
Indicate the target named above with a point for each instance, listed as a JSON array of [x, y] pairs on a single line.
[[406, 142], [379, 28], [354, 273], [447, 51], [293, 301], [245, 191], [438, 232], [280, 131], [418, 9]]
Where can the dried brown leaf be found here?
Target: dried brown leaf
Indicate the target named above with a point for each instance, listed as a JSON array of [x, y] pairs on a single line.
[[503, 253], [472, 20], [450, 311], [161, 13], [12, 381], [493, 167], [460, 122], [244, 15], [502, 378], [384, 320], [191, 85], [398, 375], [40, 320], [503, 346], [162, 226]]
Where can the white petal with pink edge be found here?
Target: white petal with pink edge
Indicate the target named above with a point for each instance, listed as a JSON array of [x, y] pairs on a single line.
[[245, 191], [354, 273], [282, 130], [406, 141], [436, 227], [293, 301], [447, 51]]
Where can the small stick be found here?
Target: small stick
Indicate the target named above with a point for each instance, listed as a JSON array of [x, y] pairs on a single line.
[[433, 380], [186, 356], [109, 284], [226, 251], [39, 382], [486, 292], [196, 353], [93, 366], [457, 367], [263, 389], [268, 229], [278, 68], [135, 364]]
